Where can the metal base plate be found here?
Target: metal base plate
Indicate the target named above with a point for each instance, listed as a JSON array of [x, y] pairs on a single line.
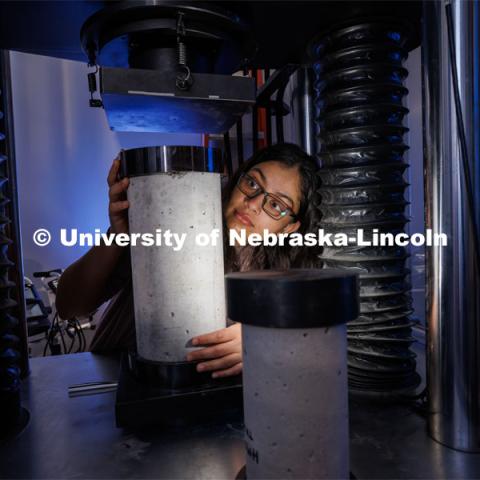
[[141, 405]]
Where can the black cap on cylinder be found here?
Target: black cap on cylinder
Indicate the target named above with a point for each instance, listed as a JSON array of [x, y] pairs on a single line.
[[295, 298]]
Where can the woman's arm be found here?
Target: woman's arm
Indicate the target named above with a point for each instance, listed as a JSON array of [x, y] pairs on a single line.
[[82, 287]]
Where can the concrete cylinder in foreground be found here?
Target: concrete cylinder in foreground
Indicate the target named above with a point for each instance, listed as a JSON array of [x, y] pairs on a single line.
[[178, 293], [294, 370]]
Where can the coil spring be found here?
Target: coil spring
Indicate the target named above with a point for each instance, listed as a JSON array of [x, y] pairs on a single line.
[[182, 53]]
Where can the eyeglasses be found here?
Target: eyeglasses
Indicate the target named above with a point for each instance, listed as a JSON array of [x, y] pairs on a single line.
[[272, 205]]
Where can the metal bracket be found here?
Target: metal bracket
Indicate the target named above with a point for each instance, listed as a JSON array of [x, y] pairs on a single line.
[[92, 87], [184, 78]]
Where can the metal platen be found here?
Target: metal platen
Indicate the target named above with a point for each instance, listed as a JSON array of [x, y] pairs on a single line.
[[173, 66], [149, 101]]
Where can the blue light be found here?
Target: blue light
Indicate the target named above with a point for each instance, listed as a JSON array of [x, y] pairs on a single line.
[[396, 36], [396, 56], [210, 159]]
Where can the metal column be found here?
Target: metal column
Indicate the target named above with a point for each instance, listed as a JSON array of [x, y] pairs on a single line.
[[453, 289], [303, 110]]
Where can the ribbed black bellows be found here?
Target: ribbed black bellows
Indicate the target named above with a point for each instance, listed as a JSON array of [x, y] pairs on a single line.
[[10, 355], [358, 106]]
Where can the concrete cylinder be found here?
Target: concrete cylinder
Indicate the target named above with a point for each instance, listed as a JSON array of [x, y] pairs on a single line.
[[178, 293], [294, 370]]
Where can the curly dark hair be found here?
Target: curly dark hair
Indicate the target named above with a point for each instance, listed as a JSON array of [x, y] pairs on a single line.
[[282, 257]]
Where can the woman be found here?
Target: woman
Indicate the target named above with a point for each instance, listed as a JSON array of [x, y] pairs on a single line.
[[275, 190]]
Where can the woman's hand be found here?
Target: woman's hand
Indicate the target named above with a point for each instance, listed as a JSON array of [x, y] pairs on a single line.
[[222, 352], [117, 208]]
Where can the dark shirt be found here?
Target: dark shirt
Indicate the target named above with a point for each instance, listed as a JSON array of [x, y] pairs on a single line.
[[116, 330]]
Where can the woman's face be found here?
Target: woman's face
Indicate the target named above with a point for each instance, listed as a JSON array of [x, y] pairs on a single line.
[[247, 213]]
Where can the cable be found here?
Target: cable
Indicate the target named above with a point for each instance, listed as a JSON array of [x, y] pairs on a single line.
[[61, 336], [77, 335], [47, 343], [72, 343], [83, 340], [461, 133], [50, 337], [58, 329]]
